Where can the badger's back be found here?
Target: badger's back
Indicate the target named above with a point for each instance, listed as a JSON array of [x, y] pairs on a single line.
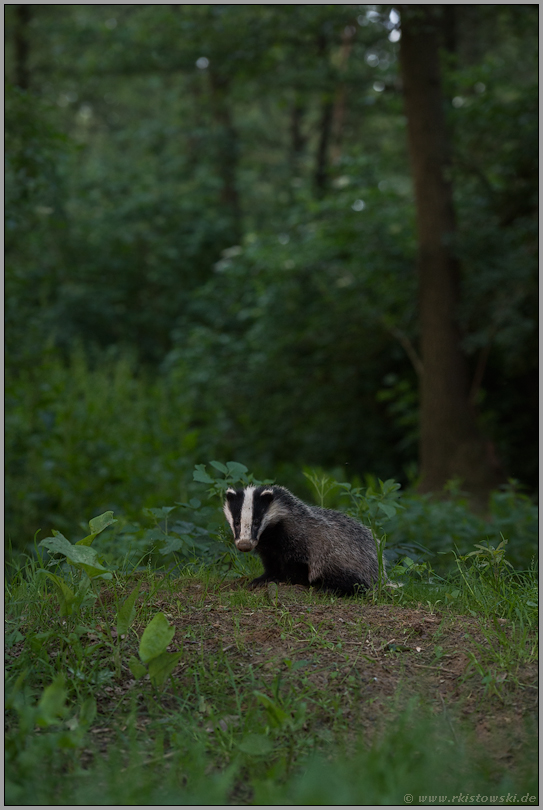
[[304, 544]]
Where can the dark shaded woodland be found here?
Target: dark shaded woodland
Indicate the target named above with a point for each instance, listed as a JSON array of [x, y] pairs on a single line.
[[287, 235]]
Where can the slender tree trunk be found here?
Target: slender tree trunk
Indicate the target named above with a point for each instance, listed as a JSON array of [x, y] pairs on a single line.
[[325, 129], [23, 15], [321, 167], [450, 443], [338, 114], [227, 151], [297, 138]]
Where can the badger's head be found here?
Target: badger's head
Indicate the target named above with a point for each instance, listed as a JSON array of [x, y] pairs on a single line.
[[249, 511]]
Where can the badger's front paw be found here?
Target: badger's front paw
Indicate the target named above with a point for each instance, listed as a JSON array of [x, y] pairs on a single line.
[[261, 580]]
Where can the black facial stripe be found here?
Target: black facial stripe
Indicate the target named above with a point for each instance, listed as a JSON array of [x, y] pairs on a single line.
[[235, 504], [260, 508]]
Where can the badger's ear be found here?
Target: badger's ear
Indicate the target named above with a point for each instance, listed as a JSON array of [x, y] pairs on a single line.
[[267, 495], [230, 493]]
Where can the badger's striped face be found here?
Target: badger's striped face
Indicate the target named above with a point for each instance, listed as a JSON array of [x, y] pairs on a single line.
[[248, 512]]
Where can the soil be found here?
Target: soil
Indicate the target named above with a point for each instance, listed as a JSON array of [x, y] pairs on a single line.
[[392, 652]]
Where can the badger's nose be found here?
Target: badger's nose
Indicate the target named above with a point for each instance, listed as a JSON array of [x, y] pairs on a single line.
[[244, 545]]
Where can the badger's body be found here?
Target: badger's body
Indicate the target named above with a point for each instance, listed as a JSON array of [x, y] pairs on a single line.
[[301, 544]]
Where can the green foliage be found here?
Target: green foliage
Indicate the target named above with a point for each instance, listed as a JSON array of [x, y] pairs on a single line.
[[234, 474], [127, 612], [25, 749], [322, 483], [374, 506], [162, 205], [152, 651], [244, 734], [80, 555], [443, 525], [407, 761], [306, 304], [80, 434], [156, 636]]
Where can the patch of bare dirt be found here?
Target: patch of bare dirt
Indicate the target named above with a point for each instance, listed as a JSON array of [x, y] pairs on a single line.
[[386, 649], [367, 659]]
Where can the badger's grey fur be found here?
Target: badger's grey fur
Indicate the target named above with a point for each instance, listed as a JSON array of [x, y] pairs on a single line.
[[301, 544]]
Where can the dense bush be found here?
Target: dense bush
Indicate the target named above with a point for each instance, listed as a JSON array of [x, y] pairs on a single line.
[[81, 439]]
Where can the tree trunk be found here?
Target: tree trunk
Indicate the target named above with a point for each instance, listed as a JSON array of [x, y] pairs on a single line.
[[23, 14], [321, 166], [338, 114], [450, 443], [227, 151], [297, 138], [325, 128]]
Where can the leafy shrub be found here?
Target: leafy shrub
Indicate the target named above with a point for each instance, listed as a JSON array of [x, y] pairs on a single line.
[[445, 525], [82, 438]]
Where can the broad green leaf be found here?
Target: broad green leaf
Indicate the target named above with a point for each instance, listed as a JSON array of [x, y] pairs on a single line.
[[57, 544], [172, 544], [389, 510], [127, 611], [137, 669], [153, 535], [94, 571], [98, 524], [51, 707], [183, 527], [156, 637], [256, 744], [81, 557], [86, 541], [162, 666], [195, 503], [201, 476], [74, 554], [159, 514], [235, 468], [220, 467], [391, 485]]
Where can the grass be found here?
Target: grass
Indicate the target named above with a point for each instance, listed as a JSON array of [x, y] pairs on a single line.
[[279, 696]]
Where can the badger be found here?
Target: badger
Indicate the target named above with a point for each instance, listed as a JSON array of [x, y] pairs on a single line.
[[300, 544]]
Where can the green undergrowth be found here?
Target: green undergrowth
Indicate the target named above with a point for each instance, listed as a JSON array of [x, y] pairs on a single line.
[[176, 763], [140, 669], [85, 726]]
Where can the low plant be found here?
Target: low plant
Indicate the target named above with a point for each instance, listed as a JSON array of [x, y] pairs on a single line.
[[62, 732], [154, 658]]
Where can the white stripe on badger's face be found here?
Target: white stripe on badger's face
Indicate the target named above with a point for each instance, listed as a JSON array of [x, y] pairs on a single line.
[[228, 513], [247, 511]]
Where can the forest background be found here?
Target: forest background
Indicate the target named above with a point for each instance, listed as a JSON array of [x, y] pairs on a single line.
[[211, 248], [270, 242]]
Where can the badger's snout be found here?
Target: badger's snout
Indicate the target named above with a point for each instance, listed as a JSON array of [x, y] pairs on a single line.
[[245, 544]]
